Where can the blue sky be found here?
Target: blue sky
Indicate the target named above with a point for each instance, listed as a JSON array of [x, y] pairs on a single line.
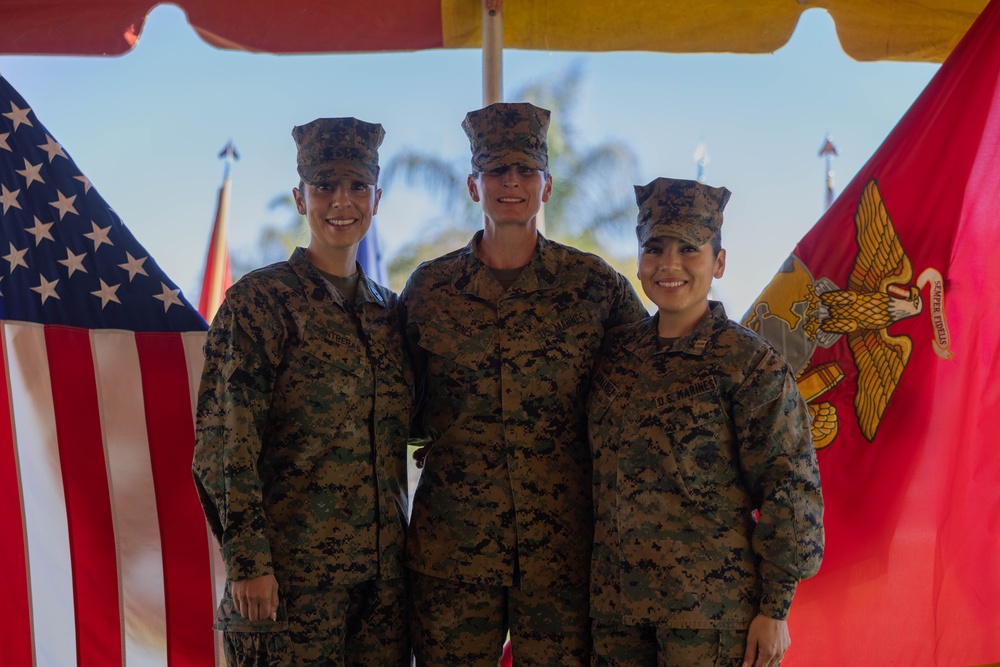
[[146, 128]]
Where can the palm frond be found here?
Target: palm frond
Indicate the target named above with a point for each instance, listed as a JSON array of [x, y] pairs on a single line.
[[436, 176], [424, 171], [282, 201]]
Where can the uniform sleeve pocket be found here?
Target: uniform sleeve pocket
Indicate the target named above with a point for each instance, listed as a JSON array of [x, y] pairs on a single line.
[[253, 643], [231, 365]]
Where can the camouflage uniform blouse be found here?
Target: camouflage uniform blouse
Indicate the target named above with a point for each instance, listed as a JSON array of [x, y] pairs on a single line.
[[687, 444], [502, 380], [303, 415]]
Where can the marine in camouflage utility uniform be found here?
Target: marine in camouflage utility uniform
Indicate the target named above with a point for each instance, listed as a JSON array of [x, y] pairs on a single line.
[[303, 416], [504, 499], [706, 488]]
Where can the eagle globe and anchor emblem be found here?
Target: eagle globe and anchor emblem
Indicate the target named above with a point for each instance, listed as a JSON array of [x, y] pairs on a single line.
[[796, 313]]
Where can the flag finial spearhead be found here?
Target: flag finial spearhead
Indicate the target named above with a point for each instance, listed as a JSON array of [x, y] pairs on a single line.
[[230, 155]]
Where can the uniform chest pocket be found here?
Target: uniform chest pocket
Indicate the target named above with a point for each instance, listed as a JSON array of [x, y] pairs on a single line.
[[570, 335], [696, 433], [330, 372], [455, 342], [335, 347], [680, 415]]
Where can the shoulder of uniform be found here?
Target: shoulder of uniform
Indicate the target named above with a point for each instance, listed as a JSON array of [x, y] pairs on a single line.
[[433, 272], [443, 265], [264, 272], [569, 258], [277, 282], [445, 261], [575, 254], [272, 274], [735, 338], [749, 336]]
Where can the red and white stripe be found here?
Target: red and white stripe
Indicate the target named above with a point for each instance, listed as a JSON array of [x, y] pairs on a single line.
[[106, 559]]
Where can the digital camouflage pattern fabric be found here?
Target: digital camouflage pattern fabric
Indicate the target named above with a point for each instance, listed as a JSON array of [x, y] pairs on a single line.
[[507, 133], [688, 443], [329, 146], [618, 645], [557, 632], [504, 496], [688, 210], [302, 421]]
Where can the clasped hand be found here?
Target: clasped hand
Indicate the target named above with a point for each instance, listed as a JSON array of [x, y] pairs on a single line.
[[256, 598]]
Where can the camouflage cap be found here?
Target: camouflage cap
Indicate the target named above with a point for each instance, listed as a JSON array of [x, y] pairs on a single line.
[[346, 146], [688, 210], [508, 133]]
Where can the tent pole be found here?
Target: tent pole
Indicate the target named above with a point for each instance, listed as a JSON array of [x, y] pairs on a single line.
[[492, 51], [493, 67]]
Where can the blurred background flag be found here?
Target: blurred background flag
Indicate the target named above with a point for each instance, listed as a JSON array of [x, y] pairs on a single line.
[[105, 557], [370, 257], [218, 275], [889, 310]]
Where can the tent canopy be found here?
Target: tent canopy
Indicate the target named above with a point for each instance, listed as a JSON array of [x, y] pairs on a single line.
[[909, 30]]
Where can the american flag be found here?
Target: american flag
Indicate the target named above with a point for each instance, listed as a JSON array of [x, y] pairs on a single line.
[[105, 557]]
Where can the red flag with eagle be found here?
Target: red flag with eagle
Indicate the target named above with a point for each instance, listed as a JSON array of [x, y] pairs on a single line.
[[889, 311]]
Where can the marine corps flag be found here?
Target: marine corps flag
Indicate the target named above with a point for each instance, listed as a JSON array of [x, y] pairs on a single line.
[[889, 312]]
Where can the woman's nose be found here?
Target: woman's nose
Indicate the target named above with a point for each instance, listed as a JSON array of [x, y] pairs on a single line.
[[340, 197]]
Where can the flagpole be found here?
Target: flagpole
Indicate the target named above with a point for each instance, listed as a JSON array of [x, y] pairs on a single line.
[[828, 151], [220, 241], [217, 277], [492, 51], [493, 68]]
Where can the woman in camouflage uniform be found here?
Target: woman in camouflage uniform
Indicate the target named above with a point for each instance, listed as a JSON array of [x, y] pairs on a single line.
[[303, 416], [504, 333], [706, 490]]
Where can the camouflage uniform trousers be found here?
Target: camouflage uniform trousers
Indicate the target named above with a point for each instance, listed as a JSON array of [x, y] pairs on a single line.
[[650, 645], [333, 626], [455, 623]]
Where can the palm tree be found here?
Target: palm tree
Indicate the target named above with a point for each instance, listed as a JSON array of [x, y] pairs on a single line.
[[591, 196], [276, 242]]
